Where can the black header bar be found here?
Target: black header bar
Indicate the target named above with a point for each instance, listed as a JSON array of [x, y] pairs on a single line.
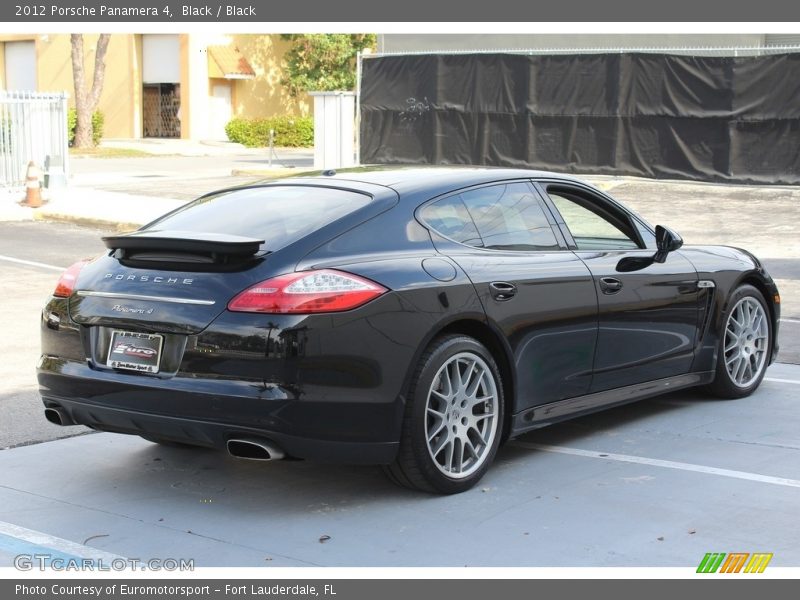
[[700, 587], [439, 11]]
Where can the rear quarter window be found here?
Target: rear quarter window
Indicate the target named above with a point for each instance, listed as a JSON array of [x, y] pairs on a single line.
[[496, 217], [278, 214], [451, 218]]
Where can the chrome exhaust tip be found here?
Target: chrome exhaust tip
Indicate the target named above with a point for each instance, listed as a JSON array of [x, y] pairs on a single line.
[[253, 449], [58, 416]]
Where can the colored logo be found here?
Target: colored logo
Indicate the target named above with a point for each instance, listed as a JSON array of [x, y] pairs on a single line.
[[130, 350], [734, 562]]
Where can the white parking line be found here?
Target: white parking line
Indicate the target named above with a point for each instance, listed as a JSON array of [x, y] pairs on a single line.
[[22, 540], [30, 263], [777, 380], [790, 320], [667, 464]]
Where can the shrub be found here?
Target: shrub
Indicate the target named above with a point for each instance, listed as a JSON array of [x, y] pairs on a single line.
[[289, 131], [98, 120]]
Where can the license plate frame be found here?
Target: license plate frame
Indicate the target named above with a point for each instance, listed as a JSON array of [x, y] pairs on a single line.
[[135, 351]]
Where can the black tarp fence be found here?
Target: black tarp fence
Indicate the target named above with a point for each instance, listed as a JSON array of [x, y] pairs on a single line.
[[724, 119]]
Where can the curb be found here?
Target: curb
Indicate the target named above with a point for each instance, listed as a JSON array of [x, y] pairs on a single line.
[[277, 173], [606, 186], [222, 144], [85, 221]]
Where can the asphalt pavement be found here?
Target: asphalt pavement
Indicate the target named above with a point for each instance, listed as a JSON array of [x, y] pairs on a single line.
[[54, 247]]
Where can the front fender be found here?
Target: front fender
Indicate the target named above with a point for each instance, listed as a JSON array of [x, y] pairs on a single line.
[[728, 268]]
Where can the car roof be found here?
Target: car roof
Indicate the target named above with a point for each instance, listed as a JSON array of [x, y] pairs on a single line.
[[433, 179]]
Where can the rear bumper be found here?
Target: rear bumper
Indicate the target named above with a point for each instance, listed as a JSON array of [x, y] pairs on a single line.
[[215, 435], [208, 412], [323, 387]]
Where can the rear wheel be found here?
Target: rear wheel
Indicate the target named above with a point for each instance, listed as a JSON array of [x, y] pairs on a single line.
[[744, 346], [453, 418]]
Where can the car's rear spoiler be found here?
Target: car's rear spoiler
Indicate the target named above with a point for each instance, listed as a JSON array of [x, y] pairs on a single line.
[[183, 241]]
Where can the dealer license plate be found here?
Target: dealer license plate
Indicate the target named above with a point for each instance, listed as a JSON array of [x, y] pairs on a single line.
[[134, 351]]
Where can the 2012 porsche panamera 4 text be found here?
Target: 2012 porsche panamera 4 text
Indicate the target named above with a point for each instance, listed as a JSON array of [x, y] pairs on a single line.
[[408, 317]]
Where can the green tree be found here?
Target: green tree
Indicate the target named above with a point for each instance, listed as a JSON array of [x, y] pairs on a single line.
[[324, 61]]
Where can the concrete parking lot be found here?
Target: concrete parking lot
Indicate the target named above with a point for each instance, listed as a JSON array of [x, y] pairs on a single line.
[[658, 483]]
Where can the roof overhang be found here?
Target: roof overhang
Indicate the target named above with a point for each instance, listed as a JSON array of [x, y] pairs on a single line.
[[226, 62]]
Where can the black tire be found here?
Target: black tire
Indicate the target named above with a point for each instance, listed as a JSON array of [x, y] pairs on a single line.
[[414, 466], [723, 385]]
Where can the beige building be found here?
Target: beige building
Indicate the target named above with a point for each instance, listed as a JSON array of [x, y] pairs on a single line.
[[182, 85]]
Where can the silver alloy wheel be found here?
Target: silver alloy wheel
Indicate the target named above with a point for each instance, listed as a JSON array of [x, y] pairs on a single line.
[[746, 342], [461, 415]]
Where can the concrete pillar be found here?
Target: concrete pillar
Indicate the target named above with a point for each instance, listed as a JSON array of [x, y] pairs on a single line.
[[334, 129], [194, 87]]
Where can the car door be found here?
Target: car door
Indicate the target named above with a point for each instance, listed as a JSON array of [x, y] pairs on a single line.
[[539, 296], [649, 311]]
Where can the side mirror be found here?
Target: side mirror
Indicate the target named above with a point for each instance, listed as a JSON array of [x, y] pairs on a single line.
[[666, 241]]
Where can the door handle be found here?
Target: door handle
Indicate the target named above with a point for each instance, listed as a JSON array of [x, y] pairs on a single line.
[[502, 290], [610, 285]]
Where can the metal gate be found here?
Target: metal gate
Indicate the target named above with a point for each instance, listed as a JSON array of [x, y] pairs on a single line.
[[33, 127], [161, 104]]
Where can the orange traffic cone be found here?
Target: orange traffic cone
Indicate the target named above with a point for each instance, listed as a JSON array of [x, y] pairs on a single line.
[[33, 191]]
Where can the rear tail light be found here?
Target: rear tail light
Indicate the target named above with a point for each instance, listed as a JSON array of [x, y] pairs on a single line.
[[66, 283], [307, 292]]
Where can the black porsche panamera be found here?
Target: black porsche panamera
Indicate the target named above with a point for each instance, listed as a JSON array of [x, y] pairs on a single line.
[[408, 317]]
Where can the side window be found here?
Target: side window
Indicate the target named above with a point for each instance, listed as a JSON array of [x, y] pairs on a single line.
[[449, 217], [510, 217], [591, 230], [648, 237]]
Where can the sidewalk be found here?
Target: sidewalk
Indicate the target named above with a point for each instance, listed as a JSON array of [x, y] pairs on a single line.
[[127, 192], [124, 193], [87, 206], [180, 147], [100, 207]]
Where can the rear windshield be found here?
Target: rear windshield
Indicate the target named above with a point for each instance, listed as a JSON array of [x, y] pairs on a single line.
[[278, 214]]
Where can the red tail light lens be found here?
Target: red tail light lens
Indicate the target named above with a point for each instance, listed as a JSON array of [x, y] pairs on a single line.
[[66, 283], [306, 293]]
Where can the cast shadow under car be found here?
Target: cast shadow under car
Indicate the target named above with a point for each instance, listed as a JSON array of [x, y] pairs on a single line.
[[291, 486]]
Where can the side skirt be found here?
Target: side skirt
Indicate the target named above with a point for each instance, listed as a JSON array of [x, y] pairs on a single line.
[[547, 414]]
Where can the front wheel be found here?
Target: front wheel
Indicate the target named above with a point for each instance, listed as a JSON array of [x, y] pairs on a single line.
[[744, 345], [453, 418]]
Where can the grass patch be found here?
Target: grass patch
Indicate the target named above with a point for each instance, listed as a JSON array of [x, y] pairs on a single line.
[[102, 152]]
